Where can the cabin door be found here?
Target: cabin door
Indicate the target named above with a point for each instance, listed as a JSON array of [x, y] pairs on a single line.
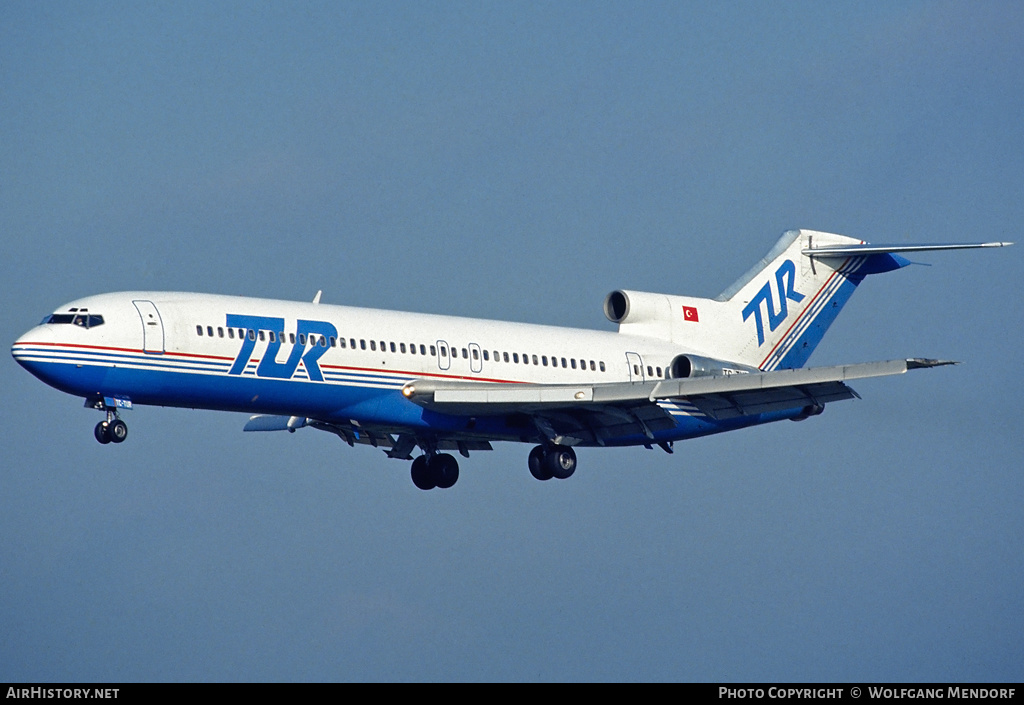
[[443, 361], [152, 327], [636, 367], [476, 362]]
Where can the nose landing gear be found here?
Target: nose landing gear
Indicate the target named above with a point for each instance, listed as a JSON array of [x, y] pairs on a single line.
[[113, 430]]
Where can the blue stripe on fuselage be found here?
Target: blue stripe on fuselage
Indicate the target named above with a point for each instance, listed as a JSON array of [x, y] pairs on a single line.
[[325, 401]]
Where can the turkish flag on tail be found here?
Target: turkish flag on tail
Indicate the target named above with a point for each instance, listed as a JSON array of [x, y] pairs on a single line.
[[690, 314]]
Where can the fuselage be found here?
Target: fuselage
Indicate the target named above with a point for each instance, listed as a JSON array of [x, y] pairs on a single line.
[[330, 363]]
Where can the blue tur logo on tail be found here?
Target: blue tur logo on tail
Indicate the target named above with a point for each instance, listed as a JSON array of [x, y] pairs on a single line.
[[785, 278]]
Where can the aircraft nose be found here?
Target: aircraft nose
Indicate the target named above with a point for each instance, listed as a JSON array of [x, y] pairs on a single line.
[[29, 346]]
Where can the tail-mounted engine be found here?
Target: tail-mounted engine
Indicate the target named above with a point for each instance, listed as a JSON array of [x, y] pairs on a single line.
[[684, 366], [623, 306]]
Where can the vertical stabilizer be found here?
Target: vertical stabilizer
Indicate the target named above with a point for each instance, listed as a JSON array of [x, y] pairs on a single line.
[[784, 305], [774, 316]]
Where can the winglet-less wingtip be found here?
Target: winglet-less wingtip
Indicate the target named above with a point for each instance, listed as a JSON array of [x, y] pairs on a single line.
[[917, 363]]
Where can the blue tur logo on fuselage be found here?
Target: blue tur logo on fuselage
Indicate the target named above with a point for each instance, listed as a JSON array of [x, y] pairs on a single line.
[[269, 366], [785, 277]]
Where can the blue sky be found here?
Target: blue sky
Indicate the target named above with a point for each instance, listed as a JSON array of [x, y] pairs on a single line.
[[517, 161]]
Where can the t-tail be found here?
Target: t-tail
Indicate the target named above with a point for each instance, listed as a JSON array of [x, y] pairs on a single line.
[[774, 316]]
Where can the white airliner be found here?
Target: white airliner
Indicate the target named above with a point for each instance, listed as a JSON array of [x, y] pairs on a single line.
[[679, 367]]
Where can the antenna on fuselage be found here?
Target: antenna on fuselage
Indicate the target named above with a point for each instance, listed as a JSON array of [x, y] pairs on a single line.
[[316, 299]]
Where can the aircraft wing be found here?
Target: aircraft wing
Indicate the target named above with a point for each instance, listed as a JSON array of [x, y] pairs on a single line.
[[592, 411]]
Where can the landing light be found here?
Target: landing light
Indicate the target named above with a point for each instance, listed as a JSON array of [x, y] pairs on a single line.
[[408, 391]]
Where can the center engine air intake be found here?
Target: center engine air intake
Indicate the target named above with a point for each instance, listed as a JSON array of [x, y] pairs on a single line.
[[622, 306]]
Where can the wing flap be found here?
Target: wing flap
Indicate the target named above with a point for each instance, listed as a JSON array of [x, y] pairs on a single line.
[[727, 405]]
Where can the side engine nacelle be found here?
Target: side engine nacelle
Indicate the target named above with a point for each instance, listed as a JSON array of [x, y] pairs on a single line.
[[688, 365]]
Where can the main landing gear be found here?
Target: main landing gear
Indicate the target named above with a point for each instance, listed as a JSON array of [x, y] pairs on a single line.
[[552, 461], [435, 470], [442, 470]]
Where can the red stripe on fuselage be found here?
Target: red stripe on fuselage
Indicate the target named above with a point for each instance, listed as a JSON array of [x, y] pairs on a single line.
[[256, 361]]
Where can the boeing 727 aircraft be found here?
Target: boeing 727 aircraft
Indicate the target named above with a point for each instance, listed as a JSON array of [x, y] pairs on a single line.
[[679, 367]]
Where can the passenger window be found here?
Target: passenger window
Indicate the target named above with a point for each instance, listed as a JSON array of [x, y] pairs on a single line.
[[423, 350], [302, 338], [362, 344], [433, 350], [373, 345], [393, 347], [602, 365], [252, 334], [526, 359], [220, 332], [352, 343], [444, 351], [544, 360], [593, 368], [401, 346], [486, 358], [505, 356], [515, 357], [564, 363], [636, 370], [535, 359], [465, 354], [199, 330], [231, 333], [209, 331], [382, 346], [573, 361]]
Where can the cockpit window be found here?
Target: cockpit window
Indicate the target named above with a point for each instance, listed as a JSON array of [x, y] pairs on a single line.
[[82, 319]]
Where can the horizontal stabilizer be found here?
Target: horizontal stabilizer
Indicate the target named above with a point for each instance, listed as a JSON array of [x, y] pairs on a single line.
[[854, 250]]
